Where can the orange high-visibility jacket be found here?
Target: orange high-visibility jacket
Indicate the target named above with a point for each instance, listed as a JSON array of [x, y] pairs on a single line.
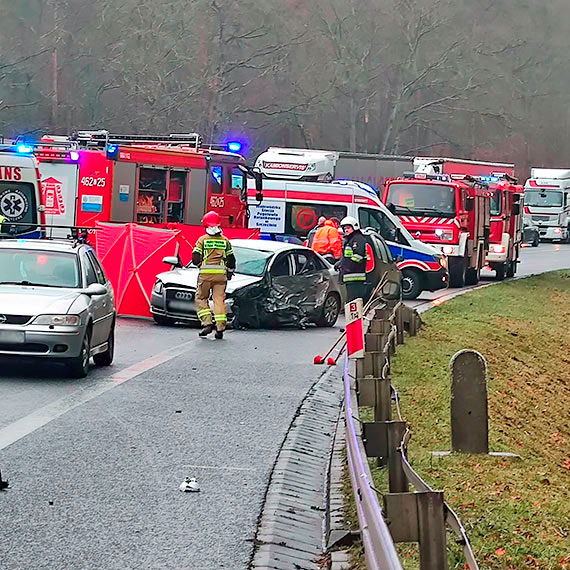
[[328, 240]]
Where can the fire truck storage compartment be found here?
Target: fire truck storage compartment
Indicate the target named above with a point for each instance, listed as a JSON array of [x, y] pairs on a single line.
[[123, 198]]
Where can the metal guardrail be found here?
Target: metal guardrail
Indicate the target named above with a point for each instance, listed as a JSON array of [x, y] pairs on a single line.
[[407, 517]]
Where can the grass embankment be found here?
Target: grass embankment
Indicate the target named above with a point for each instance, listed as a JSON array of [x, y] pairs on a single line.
[[516, 512]]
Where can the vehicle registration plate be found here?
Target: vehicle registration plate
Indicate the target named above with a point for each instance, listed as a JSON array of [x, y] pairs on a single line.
[[182, 306], [12, 337]]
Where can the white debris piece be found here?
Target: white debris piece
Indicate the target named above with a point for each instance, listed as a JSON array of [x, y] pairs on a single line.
[[189, 485]]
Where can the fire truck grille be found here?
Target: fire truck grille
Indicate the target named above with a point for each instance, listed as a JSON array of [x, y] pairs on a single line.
[[543, 218]]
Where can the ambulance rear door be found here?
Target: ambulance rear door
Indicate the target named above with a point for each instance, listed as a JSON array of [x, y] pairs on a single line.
[[59, 195]]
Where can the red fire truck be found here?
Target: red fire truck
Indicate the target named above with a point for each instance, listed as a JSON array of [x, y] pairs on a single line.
[[96, 176], [506, 224], [451, 213]]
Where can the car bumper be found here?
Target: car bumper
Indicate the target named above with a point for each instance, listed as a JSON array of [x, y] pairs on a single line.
[[184, 312], [435, 280], [59, 342], [551, 232]]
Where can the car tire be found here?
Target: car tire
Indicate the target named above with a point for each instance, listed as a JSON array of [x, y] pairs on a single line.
[[106, 358], [330, 312], [163, 321], [500, 271], [78, 366], [457, 271], [411, 284]]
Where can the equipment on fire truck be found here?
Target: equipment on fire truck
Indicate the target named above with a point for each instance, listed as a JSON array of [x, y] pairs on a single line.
[[451, 213], [460, 166]]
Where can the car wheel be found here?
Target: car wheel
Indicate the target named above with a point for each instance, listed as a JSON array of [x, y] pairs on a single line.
[[411, 284], [78, 366], [457, 270], [163, 321], [500, 271], [331, 310], [106, 358]]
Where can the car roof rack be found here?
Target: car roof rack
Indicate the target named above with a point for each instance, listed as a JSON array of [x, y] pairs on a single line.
[[78, 234]]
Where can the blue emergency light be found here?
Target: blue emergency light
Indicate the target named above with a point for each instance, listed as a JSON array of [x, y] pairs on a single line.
[[23, 148], [112, 151], [234, 146], [73, 156]]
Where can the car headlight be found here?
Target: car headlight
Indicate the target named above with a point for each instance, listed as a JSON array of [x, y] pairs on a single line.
[[60, 320], [158, 287], [445, 235]]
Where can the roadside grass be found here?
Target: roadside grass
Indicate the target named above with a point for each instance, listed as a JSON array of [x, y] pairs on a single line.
[[516, 511]]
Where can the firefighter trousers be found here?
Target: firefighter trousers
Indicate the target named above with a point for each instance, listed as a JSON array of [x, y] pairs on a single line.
[[215, 284]]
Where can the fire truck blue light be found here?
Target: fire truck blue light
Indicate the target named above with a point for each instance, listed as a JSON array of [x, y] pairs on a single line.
[[24, 148], [234, 146]]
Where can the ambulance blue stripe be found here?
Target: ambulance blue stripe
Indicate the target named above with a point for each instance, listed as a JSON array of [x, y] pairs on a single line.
[[408, 253]]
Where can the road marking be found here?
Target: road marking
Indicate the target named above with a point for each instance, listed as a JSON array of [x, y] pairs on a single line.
[[223, 468], [30, 423]]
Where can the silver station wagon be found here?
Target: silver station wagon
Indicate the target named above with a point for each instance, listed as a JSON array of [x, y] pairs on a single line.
[[56, 303]]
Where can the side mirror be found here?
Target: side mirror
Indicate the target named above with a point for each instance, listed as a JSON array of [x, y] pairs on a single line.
[[399, 259], [392, 208], [172, 260], [391, 290], [469, 203], [258, 185], [516, 209], [96, 289]]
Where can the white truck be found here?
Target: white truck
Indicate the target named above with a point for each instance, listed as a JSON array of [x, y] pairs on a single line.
[[547, 202], [323, 166]]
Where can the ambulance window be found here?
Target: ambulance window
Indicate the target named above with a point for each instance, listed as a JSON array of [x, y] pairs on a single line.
[[217, 180], [301, 218], [496, 203], [377, 220], [238, 182]]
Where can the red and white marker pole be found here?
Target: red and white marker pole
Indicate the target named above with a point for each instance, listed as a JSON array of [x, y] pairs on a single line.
[[354, 314]]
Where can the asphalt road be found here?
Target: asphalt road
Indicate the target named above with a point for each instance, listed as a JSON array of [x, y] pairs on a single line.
[[95, 465]]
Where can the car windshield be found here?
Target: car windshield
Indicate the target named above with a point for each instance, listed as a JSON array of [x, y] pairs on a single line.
[[427, 199], [37, 267], [543, 198], [251, 261]]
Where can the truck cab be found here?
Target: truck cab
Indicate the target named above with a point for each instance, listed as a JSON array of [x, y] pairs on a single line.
[[547, 202]]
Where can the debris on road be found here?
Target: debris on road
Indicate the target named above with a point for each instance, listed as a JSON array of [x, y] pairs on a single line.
[[189, 485]]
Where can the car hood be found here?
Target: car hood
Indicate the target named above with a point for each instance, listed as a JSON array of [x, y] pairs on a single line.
[[22, 300], [188, 277]]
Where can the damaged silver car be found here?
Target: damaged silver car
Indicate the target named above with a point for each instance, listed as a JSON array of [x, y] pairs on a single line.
[[275, 284]]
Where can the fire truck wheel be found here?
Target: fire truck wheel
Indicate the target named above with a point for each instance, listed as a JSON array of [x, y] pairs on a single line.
[[511, 269], [457, 270], [500, 271], [472, 276], [411, 284]]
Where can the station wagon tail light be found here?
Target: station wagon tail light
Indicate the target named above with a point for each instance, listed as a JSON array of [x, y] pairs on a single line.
[[58, 320]]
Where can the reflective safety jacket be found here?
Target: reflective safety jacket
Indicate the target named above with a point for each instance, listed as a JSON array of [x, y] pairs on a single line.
[[353, 262], [213, 255], [327, 240]]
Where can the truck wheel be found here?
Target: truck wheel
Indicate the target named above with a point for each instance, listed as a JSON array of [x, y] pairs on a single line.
[[500, 271], [567, 238], [457, 269], [411, 284], [472, 276]]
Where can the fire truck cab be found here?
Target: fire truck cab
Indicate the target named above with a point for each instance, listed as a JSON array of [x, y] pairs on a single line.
[[96, 176], [506, 224], [451, 213]]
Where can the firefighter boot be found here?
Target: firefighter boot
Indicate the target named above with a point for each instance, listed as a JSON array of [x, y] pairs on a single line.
[[206, 330], [219, 335]]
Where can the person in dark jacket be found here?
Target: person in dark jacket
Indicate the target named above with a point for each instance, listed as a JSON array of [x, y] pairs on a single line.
[[353, 261]]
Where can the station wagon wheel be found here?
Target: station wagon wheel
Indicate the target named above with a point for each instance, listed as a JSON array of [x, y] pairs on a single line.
[[78, 366], [331, 309]]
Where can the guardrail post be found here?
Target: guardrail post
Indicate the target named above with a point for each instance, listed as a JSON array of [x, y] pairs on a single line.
[[431, 528], [398, 482], [400, 324]]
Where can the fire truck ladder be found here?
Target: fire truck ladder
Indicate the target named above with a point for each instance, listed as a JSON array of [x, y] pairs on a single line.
[[102, 138]]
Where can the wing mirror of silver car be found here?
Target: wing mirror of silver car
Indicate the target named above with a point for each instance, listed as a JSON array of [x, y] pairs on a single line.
[[96, 289], [172, 260]]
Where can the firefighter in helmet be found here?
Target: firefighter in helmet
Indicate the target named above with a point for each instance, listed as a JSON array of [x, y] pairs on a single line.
[[213, 255], [353, 261]]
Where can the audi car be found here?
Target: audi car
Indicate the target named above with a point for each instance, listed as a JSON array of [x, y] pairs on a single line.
[[275, 283], [55, 303]]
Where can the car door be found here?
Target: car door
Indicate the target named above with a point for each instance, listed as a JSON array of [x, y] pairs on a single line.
[[97, 303], [108, 309], [285, 295], [314, 279]]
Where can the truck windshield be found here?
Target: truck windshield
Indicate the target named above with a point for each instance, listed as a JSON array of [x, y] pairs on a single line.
[[543, 198], [496, 203], [422, 199]]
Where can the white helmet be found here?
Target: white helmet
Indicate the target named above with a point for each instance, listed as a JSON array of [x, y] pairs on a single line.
[[350, 221]]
